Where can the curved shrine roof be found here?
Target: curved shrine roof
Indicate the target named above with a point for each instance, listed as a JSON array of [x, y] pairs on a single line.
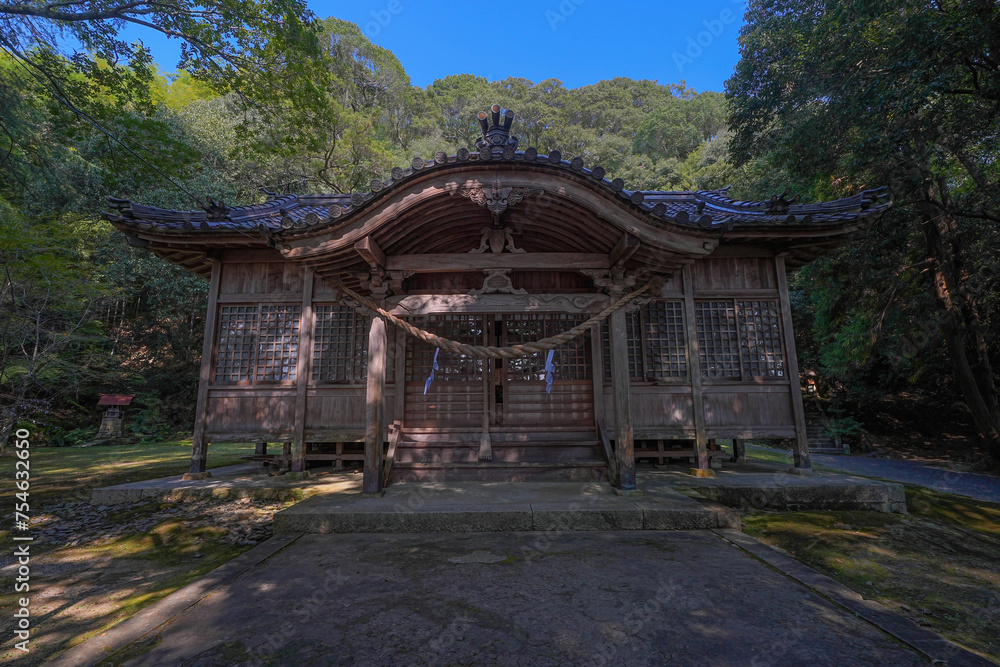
[[316, 227]]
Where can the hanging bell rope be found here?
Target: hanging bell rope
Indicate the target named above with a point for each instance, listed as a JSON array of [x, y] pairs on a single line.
[[511, 351]]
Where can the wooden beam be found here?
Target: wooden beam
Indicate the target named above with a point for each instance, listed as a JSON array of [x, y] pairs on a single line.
[[624, 249], [303, 371], [446, 262], [801, 452], [199, 453], [370, 251], [371, 482]]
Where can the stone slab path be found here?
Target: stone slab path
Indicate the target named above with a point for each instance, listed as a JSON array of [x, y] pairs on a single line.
[[980, 487], [536, 598]]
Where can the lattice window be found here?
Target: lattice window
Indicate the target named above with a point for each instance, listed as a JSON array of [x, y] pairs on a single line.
[[718, 339], [761, 339], [464, 328], [237, 340], [278, 343], [632, 329], [663, 340], [571, 360], [340, 345]]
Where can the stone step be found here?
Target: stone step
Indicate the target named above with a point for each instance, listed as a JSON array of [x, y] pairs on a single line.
[[499, 471], [502, 507]]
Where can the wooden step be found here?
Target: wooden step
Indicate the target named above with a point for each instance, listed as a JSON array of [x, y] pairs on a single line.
[[536, 453]]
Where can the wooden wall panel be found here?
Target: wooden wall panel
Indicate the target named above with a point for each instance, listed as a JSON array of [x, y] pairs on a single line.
[[260, 278], [232, 412], [446, 405], [734, 273], [735, 408], [335, 409], [571, 403], [660, 407]]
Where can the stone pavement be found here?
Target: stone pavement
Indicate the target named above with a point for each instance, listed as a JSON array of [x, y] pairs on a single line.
[[504, 506], [972, 485], [536, 598]]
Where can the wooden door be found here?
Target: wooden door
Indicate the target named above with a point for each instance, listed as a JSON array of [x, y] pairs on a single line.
[[522, 400], [454, 399]]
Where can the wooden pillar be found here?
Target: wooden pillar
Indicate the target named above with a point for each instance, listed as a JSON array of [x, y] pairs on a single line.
[[597, 372], [399, 376], [620, 385], [801, 452], [739, 450], [199, 448], [260, 448], [374, 408], [303, 371], [694, 371]]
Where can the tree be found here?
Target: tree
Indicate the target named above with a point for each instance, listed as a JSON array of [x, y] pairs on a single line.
[[50, 333], [906, 93]]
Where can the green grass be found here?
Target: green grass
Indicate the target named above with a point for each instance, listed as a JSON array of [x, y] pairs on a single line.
[[60, 474], [939, 566], [163, 557]]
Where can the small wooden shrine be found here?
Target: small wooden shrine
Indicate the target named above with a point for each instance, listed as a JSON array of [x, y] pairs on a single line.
[[114, 414], [688, 334]]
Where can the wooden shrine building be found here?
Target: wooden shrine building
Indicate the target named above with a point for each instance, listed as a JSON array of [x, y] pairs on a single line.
[[498, 247]]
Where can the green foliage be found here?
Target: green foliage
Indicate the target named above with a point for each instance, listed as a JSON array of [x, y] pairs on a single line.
[[840, 96]]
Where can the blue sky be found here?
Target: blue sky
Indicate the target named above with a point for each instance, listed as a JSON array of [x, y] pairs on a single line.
[[577, 41]]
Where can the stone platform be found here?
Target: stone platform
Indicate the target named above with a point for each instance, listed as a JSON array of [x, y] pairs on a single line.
[[244, 480], [668, 499], [763, 486], [502, 506]]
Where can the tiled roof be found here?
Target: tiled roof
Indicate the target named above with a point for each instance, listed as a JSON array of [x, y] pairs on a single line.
[[285, 215]]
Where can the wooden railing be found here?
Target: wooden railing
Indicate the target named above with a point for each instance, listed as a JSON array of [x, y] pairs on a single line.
[[395, 433], [609, 454]]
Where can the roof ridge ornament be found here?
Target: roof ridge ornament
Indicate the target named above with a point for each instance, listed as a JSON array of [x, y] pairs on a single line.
[[497, 138], [780, 204], [216, 210]]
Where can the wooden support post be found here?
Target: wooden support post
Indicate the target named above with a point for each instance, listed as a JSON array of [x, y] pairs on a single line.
[[260, 448], [801, 452], [303, 371], [694, 371], [199, 448], [621, 386], [597, 372], [739, 451], [371, 482], [399, 377], [286, 453]]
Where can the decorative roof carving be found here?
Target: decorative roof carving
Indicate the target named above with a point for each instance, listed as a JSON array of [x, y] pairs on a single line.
[[497, 239], [496, 198], [497, 281]]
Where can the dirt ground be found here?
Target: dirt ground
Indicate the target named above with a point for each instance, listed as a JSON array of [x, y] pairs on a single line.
[[93, 567]]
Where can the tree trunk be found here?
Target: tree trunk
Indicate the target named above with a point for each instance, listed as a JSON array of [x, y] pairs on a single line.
[[959, 315]]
